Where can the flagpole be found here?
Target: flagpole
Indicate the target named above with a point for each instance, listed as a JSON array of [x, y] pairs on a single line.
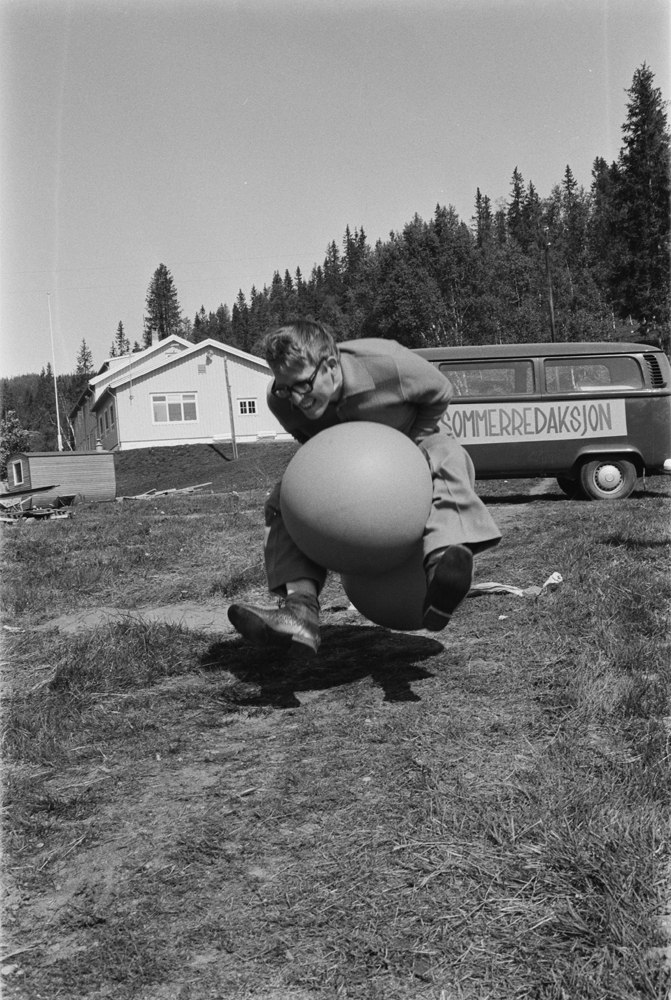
[[53, 369], [234, 444]]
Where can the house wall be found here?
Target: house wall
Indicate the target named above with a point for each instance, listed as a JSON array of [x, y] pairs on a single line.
[[206, 379], [85, 427], [89, 475], [107, 427]]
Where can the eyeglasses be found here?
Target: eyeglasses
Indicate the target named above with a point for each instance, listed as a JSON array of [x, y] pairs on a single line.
[[301, 388]]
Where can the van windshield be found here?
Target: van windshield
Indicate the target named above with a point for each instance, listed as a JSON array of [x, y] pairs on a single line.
[[592, 374], [489, 378]]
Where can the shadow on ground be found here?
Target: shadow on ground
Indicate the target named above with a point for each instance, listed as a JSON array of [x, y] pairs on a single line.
[[500, 500], [348, 654], [619, 541], [654, 486]]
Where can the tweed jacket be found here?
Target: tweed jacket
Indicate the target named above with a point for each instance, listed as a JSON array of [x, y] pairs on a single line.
[[383, 382]]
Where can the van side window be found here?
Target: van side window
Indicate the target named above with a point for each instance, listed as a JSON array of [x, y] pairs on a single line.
[[489, 378], [592, 374]]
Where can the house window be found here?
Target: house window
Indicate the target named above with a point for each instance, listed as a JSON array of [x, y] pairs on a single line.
[[107, 420], [174, 407], [247, 406], [112, 414], [100, 426], [17, 468]]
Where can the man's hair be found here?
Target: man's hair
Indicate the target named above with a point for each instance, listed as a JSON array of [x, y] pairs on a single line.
[[298, 341]]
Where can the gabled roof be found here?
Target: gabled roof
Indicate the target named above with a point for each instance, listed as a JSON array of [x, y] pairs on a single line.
[[112, 367], [138, 359], [82, 396], [193, 350]]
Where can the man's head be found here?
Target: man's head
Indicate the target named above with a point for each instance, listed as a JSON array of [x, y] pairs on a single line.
[[304, 359], [297, 343]]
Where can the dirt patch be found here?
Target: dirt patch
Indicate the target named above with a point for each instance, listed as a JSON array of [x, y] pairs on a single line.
[[190, 615]]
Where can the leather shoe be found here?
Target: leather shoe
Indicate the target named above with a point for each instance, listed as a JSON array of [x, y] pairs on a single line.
[[293, 627], [449, 580]]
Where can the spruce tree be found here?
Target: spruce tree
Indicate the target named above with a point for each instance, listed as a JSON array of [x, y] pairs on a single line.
[[120, 344], [45, 410], [531, 218], [332, 270], [574, 216], [500, 226], [602, 228], [84, 362], [641, 280], [240, 323], [514, 220], [200, 326], [483, 219], [82, 373], [163, 316], [223, 329]]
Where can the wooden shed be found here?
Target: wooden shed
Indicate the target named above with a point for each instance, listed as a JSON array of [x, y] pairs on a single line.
[[86, 475]]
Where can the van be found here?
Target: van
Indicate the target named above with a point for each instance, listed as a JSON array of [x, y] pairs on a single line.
[[594, 415]]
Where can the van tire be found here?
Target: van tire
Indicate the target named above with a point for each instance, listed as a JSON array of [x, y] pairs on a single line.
[[607, 479], [568, 486]]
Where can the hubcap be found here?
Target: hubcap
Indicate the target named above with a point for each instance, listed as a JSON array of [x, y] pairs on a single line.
[[608, 478]]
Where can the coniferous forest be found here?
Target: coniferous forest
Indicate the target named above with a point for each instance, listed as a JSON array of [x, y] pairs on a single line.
[[600, 254], [603, 251]]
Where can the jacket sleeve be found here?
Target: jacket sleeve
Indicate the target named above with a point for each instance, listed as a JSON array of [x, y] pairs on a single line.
[[426, 389]]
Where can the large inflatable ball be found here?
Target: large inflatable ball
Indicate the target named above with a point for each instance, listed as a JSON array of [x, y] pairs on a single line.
[[356, 497], [394, 599]]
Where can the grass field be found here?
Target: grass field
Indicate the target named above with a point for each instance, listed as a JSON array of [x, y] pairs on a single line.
[[478, 813]]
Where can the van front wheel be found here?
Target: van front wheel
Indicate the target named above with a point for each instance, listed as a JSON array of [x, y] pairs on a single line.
[[568, 486], [607, 479]]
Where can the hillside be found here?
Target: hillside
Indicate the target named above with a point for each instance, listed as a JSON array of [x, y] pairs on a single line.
[[258, 464]]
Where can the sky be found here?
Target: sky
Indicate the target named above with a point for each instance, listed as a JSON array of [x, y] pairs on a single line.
[[229, 140]]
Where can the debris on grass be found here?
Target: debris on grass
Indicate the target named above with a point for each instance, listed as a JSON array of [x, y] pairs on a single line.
[[154, 493], [25, 507], [552, 582]]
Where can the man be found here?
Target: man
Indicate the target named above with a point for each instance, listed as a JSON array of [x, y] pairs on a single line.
[[318, 384]]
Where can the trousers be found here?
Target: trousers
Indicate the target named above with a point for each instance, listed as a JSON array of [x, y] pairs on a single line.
[[457, 517]]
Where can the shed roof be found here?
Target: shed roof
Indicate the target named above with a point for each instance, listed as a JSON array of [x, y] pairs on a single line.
[[57, 454]]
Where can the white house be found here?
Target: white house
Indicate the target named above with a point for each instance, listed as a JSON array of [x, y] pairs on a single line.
[[175, 392]]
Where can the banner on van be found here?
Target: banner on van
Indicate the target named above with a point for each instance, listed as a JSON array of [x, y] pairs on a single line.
[[479, 423]]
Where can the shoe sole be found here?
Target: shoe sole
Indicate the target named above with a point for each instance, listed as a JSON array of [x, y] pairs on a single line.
[[255, 630], [449, 586]]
